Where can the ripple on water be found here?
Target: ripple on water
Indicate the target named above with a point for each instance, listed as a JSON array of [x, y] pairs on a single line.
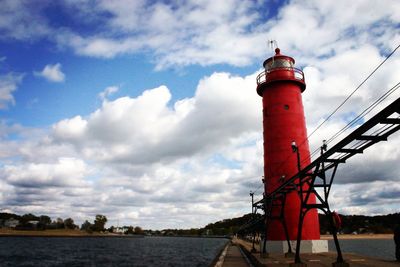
[[109, 251]]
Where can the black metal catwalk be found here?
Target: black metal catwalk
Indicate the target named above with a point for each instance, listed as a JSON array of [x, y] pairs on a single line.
[[317, 178]]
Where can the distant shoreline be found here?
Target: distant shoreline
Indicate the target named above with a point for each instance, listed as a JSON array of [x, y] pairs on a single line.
[[76, 233], [58, 233], [79, 233], [359, 236]]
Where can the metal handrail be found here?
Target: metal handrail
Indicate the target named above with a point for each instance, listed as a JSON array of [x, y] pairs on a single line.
[[262, 77]]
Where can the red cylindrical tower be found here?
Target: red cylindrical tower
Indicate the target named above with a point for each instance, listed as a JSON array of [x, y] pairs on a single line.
[[280, 87]]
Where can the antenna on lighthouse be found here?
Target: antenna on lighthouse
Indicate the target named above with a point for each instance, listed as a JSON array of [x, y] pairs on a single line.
[[272, 44]]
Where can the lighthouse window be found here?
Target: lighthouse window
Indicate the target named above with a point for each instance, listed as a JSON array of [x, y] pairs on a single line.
[[286, 107], [279, 63], [282, 63]]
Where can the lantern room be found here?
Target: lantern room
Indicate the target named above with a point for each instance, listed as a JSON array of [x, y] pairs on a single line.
[[279, 68]]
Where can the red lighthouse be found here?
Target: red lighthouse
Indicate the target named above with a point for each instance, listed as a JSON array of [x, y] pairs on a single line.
[[286, 147]]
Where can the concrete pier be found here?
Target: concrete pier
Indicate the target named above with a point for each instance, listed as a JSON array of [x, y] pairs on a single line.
[[234, 258]]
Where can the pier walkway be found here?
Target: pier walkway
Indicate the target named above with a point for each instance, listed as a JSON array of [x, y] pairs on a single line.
[[234, 258]]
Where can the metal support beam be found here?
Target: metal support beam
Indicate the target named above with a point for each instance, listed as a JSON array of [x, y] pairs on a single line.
[[315, 175], [335, 160], [391, 121], [350, 151], [371, 138]]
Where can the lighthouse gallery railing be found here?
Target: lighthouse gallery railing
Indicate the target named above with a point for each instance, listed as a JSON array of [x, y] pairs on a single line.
[[296, 74]]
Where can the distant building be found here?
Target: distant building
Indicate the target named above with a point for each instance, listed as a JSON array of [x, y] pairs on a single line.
[[120, 230], [33, 222], [11, 223]]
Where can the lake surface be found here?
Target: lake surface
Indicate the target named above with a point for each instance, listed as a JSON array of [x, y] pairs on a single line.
[[376, 248], [109, 251], [148, 251]]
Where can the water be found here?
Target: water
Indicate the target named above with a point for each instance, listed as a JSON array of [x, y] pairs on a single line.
[[149, 251], [109, 251], [376, 248]]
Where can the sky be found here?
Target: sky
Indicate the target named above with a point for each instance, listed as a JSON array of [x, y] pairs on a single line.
[[146, 111]]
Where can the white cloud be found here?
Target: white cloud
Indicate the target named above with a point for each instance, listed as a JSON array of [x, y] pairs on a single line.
[[134, 152], [333, 79], [206, 33], [147, 129], [181, 33], [52, 73], [8, 84], [65, 172], [363, 198], [234, 32], [108, 91], [70, 128], [195, 160], [44, 187], [22, 20]]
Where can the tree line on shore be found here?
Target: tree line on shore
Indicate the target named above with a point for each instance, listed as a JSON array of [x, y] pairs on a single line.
[[43, 222], [351, 224], [30, 221], [361, 224]]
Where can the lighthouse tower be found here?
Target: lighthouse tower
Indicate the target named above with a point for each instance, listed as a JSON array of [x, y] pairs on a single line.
[[286, 148]]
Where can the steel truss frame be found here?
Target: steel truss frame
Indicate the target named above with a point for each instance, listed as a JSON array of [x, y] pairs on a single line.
[[317, 177], [274, 209]]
